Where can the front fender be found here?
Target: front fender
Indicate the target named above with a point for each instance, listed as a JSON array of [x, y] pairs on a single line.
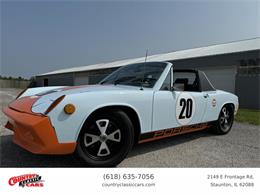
[[68, 127], [114, 104]]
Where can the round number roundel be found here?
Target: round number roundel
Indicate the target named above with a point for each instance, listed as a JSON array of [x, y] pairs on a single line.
[[185, 108]]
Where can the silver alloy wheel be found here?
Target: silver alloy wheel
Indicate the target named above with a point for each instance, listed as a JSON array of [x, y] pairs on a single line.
[[225, 119], [102, 125]]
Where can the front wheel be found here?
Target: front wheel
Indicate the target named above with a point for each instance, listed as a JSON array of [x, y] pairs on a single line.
[[225, 120], [106, 139]]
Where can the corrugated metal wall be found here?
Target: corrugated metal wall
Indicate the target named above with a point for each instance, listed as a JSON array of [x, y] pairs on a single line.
[[247, 89], [56, 80], [222, 77], [220, 69]]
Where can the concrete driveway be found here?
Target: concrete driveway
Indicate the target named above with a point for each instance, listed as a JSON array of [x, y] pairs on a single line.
[[239, 148]]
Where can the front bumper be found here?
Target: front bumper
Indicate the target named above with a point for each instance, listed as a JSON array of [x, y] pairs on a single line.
[[35, 133]]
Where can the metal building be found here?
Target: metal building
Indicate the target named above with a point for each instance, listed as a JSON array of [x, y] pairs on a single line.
[[233, 67]]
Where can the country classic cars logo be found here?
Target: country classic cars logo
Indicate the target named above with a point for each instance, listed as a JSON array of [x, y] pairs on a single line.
[[28, 180]]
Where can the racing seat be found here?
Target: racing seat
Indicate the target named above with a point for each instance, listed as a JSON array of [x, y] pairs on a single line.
[[181, 84], [193, 87]]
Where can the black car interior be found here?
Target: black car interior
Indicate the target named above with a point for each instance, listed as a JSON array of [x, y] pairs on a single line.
[[186, 84], [188, 80]]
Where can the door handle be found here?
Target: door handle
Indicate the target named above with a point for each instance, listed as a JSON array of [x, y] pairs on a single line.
[[206, 95]]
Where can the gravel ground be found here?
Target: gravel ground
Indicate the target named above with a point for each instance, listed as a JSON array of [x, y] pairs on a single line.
[[239, 148]]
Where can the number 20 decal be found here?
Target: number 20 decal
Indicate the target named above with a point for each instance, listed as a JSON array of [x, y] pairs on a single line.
[[185, 108]]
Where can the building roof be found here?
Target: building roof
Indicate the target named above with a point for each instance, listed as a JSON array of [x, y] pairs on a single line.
[[225, 48]]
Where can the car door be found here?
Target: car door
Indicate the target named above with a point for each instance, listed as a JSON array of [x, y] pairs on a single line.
[[190, 108], [179, 106]]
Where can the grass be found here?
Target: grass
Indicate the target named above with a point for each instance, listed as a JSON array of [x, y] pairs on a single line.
[[248, 116]]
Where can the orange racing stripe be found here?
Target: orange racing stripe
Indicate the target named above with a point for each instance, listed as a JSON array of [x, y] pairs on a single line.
[[156, 135]]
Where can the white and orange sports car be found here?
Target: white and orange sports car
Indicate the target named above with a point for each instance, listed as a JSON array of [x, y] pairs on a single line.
[[135, 104]]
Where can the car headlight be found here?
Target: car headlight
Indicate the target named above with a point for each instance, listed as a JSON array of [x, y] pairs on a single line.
[[54, 104]]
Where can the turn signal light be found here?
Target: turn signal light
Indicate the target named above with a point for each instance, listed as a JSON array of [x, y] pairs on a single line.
[[69, 109], [54, 104]]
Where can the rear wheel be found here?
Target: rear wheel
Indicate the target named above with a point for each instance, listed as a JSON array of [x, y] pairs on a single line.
[[106, 139], [225, 120]]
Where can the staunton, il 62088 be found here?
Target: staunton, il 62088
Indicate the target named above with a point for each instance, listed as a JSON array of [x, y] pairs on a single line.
[[137, 103]]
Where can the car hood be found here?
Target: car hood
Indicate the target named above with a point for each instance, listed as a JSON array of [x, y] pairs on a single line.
[[85, 88], [37, 100], [47, 97]]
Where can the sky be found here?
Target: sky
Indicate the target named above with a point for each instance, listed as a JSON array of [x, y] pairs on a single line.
[[42, 36]]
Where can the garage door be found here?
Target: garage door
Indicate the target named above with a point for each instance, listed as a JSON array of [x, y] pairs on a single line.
[[222, 77], [81, 80]]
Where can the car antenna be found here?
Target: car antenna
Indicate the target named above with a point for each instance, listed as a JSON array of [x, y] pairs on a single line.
[[146, 55], [144, 70]]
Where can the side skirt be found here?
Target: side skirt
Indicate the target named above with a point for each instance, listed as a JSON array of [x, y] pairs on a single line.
[[160, 134]]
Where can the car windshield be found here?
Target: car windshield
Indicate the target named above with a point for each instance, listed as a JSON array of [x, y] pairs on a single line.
[[141, 74]]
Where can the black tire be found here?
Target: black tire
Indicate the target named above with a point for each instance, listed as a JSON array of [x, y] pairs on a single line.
[[109, 148], [225, 120]]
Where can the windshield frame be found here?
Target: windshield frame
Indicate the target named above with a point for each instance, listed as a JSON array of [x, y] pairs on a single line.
[[115, 79]]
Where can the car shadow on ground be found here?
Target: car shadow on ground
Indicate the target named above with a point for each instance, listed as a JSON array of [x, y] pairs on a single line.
[[12, 155]]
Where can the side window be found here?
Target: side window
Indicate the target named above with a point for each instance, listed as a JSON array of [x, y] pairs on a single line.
[[166, 86], [185, 81]]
